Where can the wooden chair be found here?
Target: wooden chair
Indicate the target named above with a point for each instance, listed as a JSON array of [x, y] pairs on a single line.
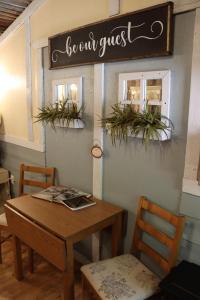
[[126, 277], [49, 174]]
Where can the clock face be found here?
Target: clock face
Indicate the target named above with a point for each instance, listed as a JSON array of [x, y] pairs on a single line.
[[96, 151]]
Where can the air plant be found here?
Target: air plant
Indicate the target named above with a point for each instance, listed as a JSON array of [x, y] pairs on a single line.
[[118, 122], [60, 113], [124, 122]]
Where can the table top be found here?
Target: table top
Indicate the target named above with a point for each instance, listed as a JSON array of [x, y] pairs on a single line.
[[60, 220]]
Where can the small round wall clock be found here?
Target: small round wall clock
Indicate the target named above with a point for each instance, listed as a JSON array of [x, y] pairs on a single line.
[[96, 151]]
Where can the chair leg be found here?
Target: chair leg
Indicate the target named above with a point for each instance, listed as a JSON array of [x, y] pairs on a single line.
[[87, 292], [30, 260], [84, 288], [0, 248]]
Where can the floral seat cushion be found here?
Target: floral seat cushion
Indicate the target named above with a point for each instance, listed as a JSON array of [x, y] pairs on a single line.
[[121, 278]]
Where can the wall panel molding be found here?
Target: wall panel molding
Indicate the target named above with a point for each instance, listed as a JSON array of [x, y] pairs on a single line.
[[22, 142], [98, 131], [29, 79]]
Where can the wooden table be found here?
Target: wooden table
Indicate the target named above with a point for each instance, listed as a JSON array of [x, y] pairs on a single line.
[[52, 229]]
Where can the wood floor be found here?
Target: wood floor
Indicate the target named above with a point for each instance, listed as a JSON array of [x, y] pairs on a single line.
[[44, 284]]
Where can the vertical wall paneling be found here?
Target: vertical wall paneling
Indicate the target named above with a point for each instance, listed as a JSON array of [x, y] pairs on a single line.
[[40, 90], [29, 79], [98, 132], [38, 46], [97, 139]]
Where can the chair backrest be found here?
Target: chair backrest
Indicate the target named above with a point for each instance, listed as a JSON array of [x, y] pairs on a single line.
[[49, 174], [172, 243]]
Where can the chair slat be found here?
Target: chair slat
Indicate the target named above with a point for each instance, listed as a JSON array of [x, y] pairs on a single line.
[[160, 212], [40, 170], [34, 183], [151, 230], [142, 226], [163, 263], [49, 172]]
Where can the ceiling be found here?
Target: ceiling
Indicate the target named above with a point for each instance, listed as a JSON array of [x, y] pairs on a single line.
[[10, 10]]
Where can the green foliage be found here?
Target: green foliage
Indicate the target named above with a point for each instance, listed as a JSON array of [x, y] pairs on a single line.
[[124, 121], [60, 113]]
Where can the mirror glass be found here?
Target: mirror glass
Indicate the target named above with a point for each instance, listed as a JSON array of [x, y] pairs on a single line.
[[154, 90], [60, 92], [133, 90], [72, 92]]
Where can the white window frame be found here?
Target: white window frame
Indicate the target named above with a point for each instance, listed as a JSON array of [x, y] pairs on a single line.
[[165, 75], [66, 82]]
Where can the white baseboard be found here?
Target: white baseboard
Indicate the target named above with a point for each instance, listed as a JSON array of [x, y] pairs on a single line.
[[22, 142]]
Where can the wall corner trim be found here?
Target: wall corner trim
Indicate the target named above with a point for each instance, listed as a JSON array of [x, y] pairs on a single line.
[[183, 6], [42, 43], [191, 187], [22, 142], [114, 7], [193, 142], [29, 11]]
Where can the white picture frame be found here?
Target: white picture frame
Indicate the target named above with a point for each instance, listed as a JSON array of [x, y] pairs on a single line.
[[164, 75]]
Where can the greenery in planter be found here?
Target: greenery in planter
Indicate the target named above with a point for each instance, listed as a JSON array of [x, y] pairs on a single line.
[[59, 113], [124, 121]]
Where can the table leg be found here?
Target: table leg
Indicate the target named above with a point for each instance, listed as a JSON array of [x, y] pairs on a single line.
[[68, 275], [17, 258], [30, 259], [96, 246], [117, 235]]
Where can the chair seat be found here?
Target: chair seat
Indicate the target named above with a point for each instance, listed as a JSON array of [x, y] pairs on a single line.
[[3, 221], [121, 278]]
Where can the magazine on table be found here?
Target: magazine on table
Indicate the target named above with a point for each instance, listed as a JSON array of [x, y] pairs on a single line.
[[71, 197]]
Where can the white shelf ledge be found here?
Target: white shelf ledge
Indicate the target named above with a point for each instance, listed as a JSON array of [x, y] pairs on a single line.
[[162, 135], [76, 124]]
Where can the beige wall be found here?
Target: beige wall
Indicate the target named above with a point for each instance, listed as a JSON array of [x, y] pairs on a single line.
[[52, 17], [13, 85], [61, 15], [131, 5]]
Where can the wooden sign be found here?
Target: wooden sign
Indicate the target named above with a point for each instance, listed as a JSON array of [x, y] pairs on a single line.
[[145, 33]]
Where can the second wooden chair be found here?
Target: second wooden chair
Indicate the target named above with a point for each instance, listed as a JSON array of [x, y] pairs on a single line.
[[48, 180], [125, 276]]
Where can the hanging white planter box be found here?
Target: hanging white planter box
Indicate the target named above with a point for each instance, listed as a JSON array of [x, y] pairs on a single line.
[[163, 136], [76, 123]]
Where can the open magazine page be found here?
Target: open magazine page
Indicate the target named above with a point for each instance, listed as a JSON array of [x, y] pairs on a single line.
[[59, 193], [70, 193]]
